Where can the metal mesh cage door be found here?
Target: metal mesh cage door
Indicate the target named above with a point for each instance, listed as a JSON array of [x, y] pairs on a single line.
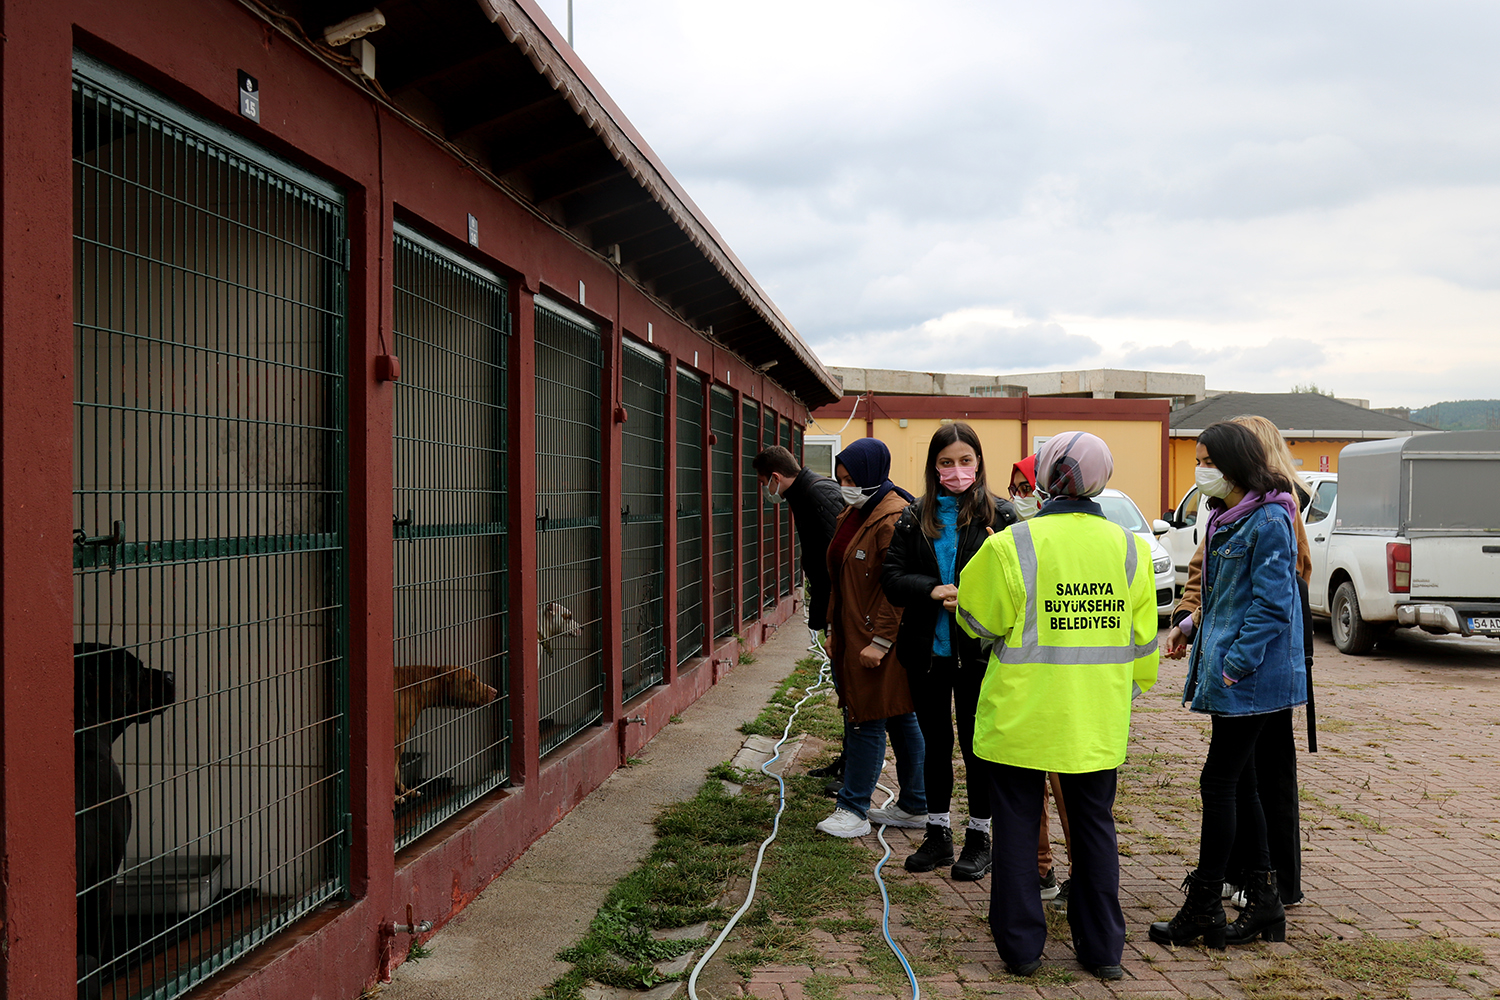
[[749, 511], [689, 515], [570, 658], [770, 521], [450, 325], [209, 564], [643, 492], [784, 516], [721, 425]]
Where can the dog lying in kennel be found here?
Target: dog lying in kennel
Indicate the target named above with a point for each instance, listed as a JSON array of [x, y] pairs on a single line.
[[112, 691], [421, 688]]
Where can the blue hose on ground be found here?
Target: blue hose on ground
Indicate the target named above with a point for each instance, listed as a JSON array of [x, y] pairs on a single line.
[[817, 687]]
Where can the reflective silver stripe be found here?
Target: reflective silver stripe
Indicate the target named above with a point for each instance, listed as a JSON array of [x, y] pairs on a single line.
[[1130, 557], [1031, 650], [978, 629], [1026, 554]]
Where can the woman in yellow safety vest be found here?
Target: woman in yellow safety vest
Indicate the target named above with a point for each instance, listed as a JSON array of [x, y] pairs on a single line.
[[1069, 601]]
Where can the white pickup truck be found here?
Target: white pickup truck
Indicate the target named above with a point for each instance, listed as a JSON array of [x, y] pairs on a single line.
[[1408, 535]]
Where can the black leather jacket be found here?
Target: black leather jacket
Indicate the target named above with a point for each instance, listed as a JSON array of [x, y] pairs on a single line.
[[911, 571], [816, 503]]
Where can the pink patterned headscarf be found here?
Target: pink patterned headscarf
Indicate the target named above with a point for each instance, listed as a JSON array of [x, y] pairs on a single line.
[[1074, 464]]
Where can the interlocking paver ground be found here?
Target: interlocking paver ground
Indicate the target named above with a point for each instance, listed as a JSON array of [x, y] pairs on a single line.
[[1401, 839]]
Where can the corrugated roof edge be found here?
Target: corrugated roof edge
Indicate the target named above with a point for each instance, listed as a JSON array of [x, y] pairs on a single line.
[[528, 28]]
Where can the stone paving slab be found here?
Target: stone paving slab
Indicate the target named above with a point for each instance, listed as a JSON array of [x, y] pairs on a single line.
[[1401, 831]]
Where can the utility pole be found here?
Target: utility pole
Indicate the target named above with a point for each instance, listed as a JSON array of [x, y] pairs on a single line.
[[570, 24]]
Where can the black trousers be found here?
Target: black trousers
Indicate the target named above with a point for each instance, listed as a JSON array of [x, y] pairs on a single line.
[[1232, 814], [1276, 780], [944, 693], [1016, 918]]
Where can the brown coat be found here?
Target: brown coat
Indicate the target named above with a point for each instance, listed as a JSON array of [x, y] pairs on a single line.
[[858, 612]]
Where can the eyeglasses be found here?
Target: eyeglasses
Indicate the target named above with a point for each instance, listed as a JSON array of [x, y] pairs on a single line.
[[1024, 490]]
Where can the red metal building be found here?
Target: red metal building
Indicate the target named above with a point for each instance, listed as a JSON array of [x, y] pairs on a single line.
[[337, 383]]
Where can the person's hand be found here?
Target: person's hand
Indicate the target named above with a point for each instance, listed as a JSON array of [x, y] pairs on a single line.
[[944, 592], [950, 603], [1176, 643], [870, 656]]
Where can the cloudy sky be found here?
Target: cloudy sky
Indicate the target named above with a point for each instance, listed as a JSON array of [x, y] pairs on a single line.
[[1269, 193]]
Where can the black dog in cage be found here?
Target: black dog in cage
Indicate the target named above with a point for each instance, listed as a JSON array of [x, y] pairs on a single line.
[[112, 691]]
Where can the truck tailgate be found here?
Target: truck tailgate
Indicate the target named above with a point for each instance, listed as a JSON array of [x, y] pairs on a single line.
[[1466, 567]]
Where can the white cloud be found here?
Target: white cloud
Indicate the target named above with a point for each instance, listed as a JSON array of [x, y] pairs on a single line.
[[1294, 192]]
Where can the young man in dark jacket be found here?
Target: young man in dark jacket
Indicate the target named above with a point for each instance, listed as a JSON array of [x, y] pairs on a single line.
[[816, 503]]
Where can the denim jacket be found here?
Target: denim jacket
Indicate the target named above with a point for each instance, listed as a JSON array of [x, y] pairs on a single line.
[[1251, 628]]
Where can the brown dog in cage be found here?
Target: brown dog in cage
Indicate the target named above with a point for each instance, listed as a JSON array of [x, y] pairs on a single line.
[[421, 688], [112, 691]]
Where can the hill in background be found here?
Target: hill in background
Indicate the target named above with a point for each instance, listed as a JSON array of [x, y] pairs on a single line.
[[1461, 415]]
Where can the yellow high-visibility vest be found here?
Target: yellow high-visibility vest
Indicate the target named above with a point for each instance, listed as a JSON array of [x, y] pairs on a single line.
[[1069, 600]]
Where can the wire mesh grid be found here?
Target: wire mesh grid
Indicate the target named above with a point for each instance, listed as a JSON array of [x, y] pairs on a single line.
[[784, 517], [722, 485], [770, 522], [451, 326], [750, 529], [689, 515], [643, 492], [210, 697], [570, 659]]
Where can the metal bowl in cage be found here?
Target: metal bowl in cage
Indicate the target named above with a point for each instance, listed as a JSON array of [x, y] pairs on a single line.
[[178, 884]]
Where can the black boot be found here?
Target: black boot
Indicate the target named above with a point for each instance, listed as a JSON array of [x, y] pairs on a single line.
[[936, 849], [974, 862], [1262, 915], [832, 769], [1202, 915]]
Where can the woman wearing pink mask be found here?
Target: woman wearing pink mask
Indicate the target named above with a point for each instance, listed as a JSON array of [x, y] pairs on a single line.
[[933, 540]]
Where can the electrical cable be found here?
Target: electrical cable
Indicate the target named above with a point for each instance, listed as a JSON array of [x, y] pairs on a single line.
[[817, 687]]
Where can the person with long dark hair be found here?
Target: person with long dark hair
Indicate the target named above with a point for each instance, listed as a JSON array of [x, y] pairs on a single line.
[[1246, 665], [934, 539], [862, 630]]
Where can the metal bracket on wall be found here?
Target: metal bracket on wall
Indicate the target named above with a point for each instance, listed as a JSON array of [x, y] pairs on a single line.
[[408, 521], [541, 519], [112, 541]]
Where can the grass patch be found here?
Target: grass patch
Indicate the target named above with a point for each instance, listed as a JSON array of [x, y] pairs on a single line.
[[819, 717], [701, 845], [1392, 965]]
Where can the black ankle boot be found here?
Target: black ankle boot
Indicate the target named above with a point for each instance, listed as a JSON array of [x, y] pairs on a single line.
[[974, 863], [936, 849], [1202, 915], [1262, 915], [832, 769]]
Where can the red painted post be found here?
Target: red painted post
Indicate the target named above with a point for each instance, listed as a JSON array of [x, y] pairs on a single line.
[[371, 561], [37, 879], [521, 474]]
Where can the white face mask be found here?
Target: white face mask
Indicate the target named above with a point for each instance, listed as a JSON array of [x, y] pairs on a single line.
[[1026, 506], [1211, 482], [854, 496], [773, 497]]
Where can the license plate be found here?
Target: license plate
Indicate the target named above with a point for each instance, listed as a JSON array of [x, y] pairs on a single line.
[[1484, 624]]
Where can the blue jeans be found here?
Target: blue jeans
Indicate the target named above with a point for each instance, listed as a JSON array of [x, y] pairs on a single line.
[[864, 754]]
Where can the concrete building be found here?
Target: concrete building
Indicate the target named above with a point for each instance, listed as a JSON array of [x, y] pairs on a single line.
[[1099, 383]]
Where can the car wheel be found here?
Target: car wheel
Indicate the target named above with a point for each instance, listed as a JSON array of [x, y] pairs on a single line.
[[1351, 633]]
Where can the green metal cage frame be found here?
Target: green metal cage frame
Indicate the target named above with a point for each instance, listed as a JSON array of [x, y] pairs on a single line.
[[690, 457], [210, 305], [643, 492], [721, 416]]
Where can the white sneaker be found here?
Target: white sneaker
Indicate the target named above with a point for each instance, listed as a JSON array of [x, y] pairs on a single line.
[[1237, 899], [844, 823], [894, 815], [1228, 891]]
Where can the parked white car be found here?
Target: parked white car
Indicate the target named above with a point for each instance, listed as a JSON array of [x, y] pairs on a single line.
[[1122, 510]]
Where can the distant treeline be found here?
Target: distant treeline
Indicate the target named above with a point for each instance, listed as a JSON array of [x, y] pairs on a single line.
[[1461, 415]]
